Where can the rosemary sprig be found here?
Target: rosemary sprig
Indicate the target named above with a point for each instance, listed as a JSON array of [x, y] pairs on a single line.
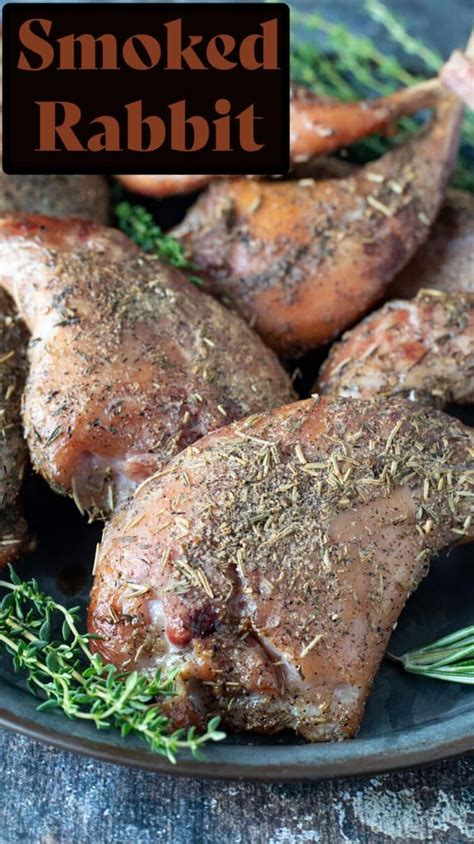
[[136, 222], [69, 677], [340, 64], [449, 658]]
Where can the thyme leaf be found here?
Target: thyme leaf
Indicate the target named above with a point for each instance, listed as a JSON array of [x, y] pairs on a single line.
[[64, 672], [449, 658], [341, 64], [136, 222]]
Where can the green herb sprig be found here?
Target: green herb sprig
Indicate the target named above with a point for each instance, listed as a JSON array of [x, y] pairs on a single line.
[[136, 222], [450, 658], [69, 677], [340, 64]]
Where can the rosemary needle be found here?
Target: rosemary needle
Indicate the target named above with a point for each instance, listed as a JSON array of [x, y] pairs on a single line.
[[450, 658], [70, 677]]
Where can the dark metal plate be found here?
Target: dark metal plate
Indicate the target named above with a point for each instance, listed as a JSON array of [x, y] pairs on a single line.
[[409, 720]]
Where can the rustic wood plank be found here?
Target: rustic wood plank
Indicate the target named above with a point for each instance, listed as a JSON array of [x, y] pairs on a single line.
[[51, 797]]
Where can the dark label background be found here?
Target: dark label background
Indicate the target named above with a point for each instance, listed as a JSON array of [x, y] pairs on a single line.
[[103, 92]]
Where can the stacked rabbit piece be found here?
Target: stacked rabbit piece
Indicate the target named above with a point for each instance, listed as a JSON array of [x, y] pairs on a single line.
[[262, 544]]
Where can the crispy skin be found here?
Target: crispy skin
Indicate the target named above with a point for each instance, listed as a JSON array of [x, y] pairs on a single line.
[[446, 260], [318, 125], [271, 560], [423, 349], [13, 450], [129, 362], [303, 260]]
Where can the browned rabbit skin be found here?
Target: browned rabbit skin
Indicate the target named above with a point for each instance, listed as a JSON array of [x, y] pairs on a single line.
[[446, 260], [304, 260], [422, 348], [129, 362], [13, 448], [318, 126], [271, 559], [321, 125], [160, 186], [63, 196]]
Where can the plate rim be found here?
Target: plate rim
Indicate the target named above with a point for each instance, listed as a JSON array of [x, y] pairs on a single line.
[[410, 748]]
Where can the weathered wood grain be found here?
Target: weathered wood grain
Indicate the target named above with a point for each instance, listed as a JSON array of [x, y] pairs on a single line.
[[51, 797]]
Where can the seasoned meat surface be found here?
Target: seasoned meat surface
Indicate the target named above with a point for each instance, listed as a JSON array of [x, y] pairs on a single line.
[[423, 348], [63, 196], [60, 196], [129, 362], [271, 559], [303, 260], [446, 260], [13, 450], [318, 125]]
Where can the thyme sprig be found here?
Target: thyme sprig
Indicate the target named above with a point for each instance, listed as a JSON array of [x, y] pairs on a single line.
[[341, 64], [136, 222], [450, 658], [64, 671], [400, 36]]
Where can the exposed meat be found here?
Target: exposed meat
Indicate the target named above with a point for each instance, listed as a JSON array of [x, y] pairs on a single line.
[[318, 125], [423, 349], [458, 75], [13, 450], [303, 260], [129, 362], [446, 260], [271, 559]]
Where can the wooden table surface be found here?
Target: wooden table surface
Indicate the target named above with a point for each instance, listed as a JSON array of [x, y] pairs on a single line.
[[52, 797]]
